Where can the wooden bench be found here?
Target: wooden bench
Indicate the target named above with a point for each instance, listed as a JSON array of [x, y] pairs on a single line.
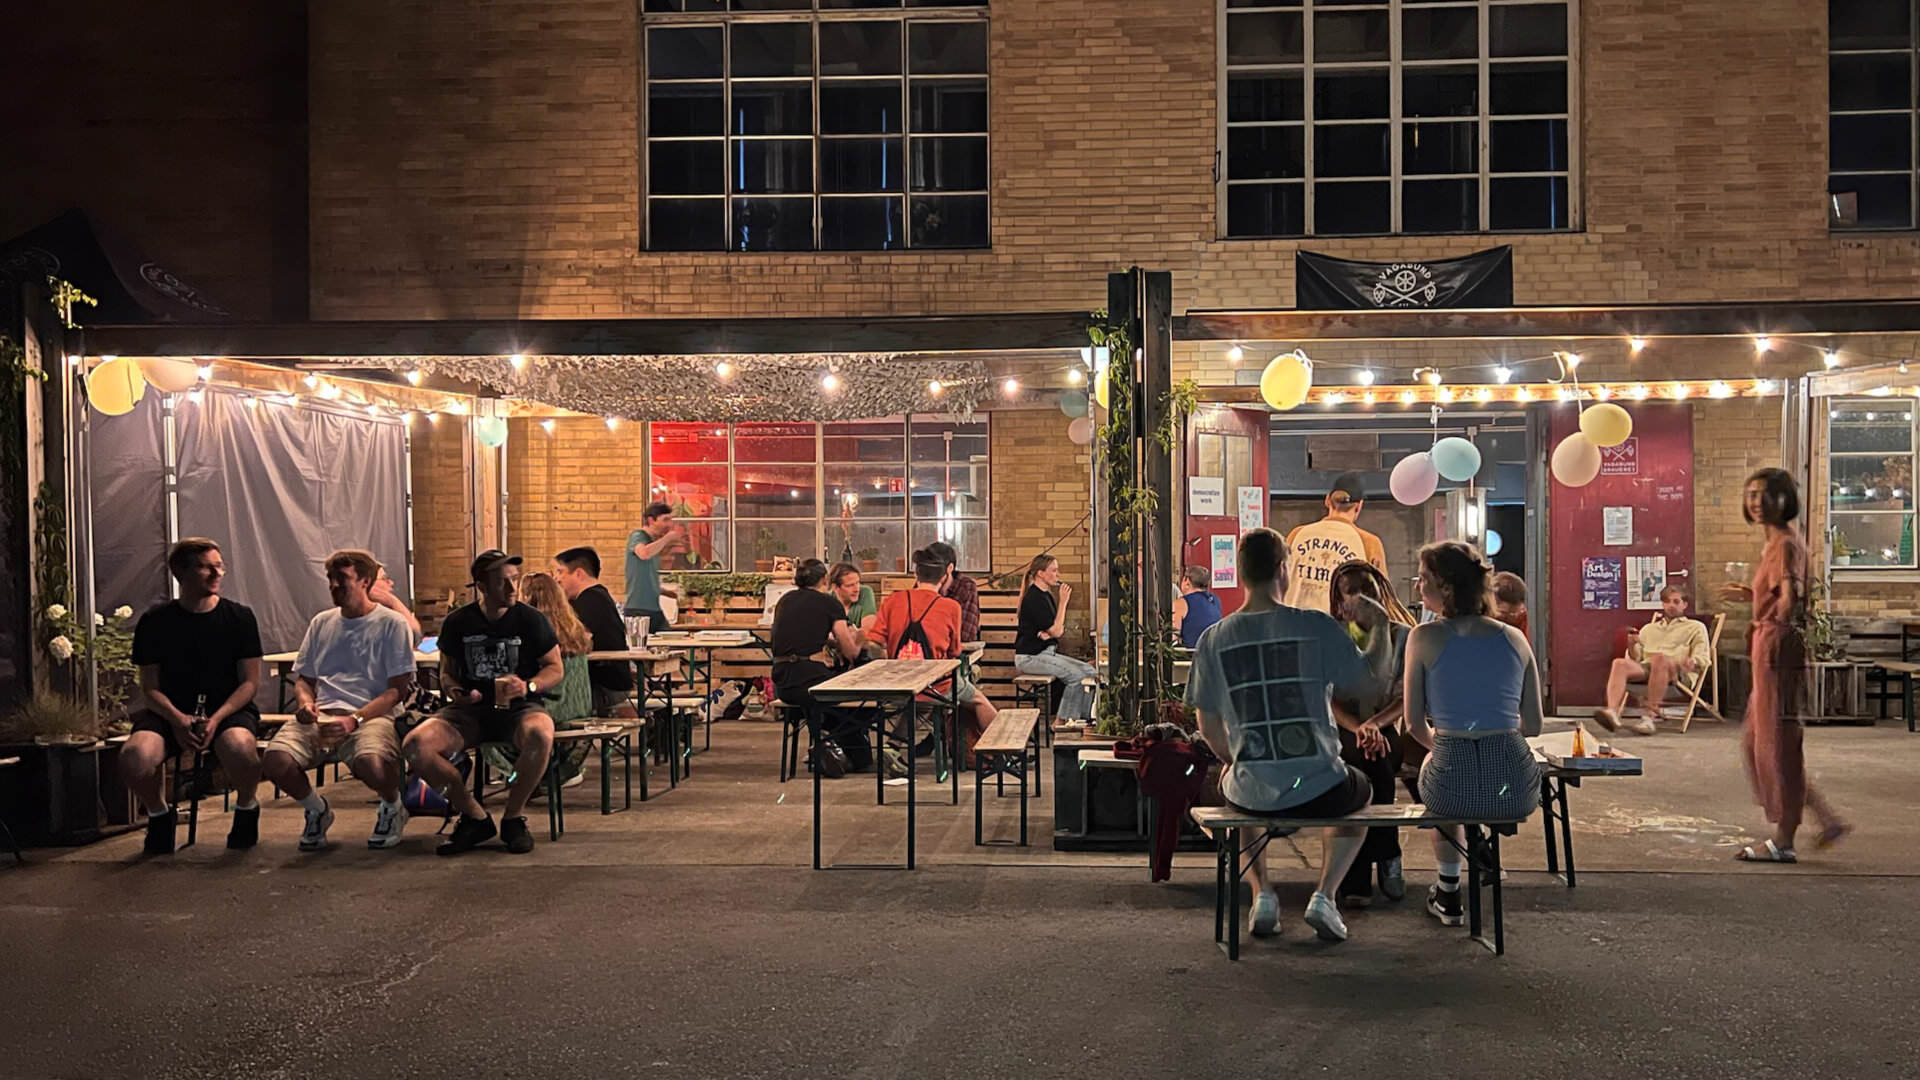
[[611, 733], [1001, 752], [1033, 691], [1881, 648], [1483, 843]]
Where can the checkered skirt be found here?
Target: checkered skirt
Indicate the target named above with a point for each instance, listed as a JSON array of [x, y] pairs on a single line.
[[1493, 776]]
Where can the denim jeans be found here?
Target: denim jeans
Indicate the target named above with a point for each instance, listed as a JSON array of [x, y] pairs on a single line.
[[1076, 703]]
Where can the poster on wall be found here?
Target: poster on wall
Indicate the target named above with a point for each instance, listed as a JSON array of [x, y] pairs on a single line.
[[1206, 496], [1616, 526], [1600, 584], [1646, 580], [1621, 460], [1224, 574], [1253, 508]]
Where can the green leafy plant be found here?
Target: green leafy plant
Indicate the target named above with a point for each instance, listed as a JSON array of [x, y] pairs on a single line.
[[64, 295], [108, 641], [713, 590], [765, 544], [868, 554], [1816, 629]]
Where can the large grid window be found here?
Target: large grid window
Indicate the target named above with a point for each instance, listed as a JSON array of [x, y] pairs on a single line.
[[1397, 116], [1870, 457], [1871, 100], [802, 125], [870, 489]]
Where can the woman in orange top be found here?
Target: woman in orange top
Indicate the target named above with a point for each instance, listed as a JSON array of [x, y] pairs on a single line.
[[1771, 743]]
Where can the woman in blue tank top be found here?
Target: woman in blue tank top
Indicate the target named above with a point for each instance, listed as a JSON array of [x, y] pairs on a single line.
[[1472, 695], [1197, 607]]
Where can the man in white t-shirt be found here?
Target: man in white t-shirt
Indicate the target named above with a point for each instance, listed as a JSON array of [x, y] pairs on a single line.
[[355, 669], [1314, 551]]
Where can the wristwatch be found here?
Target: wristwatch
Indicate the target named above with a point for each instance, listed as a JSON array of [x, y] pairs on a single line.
[[533, 688]]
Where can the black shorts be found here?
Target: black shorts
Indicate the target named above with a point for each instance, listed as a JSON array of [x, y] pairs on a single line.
[[246, 718], [482, 723], [1351, 794]]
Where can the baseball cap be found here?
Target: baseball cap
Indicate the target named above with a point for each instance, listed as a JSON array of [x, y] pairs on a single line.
[[492, 559], [1348, 484]]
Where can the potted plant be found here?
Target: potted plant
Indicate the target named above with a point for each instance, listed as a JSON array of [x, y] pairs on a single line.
[[869, 560], [1842, 551], [765, 546]]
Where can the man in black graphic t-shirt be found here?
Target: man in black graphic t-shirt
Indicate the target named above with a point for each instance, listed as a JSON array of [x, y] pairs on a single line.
[[498, 658]]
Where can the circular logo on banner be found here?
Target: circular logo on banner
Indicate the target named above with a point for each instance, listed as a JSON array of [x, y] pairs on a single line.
[[1405, 285], [30, 264], [163, 281]]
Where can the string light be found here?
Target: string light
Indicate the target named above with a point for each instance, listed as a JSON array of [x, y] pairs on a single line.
[[1831, 358], [1366, 376], [1445, 394], [1565, 393], [196, 395], [724, 370], [432, 417], [1406, 397], [1635, 344], [1335, 398], [1763, 343], [458, 408], [1573, 360], [1679, 391], [1432, 376], [414, 377], [934, 388], [1367, 397], [1483, 394], [1719, 389], [1236, 354], [1602, 393], [250, 401], [1764, 386], [372, 409], [1502, 373], [1075, 376], [829, 382], [1880, 391], [518, 360], [612, 422], [1010, 387], [1640, 392], [1523, 394], [548, 425], [205, 371], [407, 418], [312, 381]]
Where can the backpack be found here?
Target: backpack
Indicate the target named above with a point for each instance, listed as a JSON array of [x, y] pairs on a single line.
[[914, 643]]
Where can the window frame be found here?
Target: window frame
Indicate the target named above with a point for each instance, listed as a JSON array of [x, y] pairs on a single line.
[[1911, 513], [1912, 113], [1395, 67], [906, 16]]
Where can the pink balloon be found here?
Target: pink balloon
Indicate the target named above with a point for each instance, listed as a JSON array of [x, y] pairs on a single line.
[[1576, 461], [1080, 431], [1414, 479]]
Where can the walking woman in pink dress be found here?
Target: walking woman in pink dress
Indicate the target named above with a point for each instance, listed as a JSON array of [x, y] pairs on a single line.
[[1771, 743]]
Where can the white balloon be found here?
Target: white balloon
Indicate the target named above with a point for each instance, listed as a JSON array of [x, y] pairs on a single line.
[[170, 375], [1576, 461]]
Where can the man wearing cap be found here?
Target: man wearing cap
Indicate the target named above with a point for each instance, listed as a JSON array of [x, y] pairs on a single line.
[[1313, 551], [498, 658]]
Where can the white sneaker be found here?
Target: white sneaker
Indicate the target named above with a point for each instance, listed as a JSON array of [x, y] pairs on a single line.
[[314, 836], [388, 826], [1325, 919], [1264, 920], [1642, 726], [575, 780]]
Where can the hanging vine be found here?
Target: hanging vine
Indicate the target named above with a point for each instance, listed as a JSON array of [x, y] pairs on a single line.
[[65, 294]]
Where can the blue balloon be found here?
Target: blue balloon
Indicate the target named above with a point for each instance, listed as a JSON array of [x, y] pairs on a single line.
[[1494, 543], [1456, 458], [1073, 402]]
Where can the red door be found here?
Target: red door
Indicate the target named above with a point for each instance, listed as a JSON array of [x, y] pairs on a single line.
[[1227, 449], [1597, 584]]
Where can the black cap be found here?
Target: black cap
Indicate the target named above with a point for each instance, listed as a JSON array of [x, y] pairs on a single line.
[[1348, 484], [491, 559]]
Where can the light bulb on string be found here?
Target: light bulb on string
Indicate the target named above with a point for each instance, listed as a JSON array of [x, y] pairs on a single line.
[[612, 422], [1502, 373], [372, 409], [1366, 376], [548, 425], [1635, 344], [1523, 394], [249, 401], [1640, 392], [205, 371], [934, 388], [830, 382], [1572, 359], [1445, 394], [1235, 355], [1602, 393], [1367, 397], [1763, 343], [1564, 393], [1406, 397], [196, 395], [1075, 376], [1764, 386], [1334, 397], [432, 417], [1831, 358], [414, 377], [1679, 391], [518, 360], [1483, 394], [1719, 389], [312, 381], [1010, 387], [723, 370]]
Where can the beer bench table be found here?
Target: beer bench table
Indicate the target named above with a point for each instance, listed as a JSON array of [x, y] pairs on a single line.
[[1563, 771], [1483, 840], [700, 646], [895, 684], [1002, 751]]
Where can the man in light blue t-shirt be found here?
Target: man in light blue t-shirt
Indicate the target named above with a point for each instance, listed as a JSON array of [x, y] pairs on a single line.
[[655, 539], [1260, 684]]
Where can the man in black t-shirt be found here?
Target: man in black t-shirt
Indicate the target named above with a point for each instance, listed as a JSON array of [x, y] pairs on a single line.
[[809, 629], [498, 657], [577, 569], [199, 661]]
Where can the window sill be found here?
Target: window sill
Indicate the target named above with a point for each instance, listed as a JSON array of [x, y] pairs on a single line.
[[1854, 575]]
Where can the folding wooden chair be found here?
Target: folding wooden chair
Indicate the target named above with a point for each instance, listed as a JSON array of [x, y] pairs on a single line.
[[1704, 693]]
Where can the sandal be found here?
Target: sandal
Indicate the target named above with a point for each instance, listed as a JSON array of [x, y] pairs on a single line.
[[1832, 835], [1767, 853]]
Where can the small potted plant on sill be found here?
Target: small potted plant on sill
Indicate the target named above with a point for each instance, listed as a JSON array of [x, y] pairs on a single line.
[[765, 545], [869, 560], [1842, 551]]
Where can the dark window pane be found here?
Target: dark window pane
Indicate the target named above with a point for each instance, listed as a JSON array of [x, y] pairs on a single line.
[[947, 3], [1880, 141], [855, 165], [1351, 209], [1440, 34], [772, 225], [772, 49], [1527, 30], [955, 106], [686, 224], [1527, 88], [772, 167], [1265, 153], [1876, 81], [858, 108], [1266, 209], [1528, 146], [950, 164], [859, 3], [950, 221], [946, 48], [1533, 202], [686, 109], [1868, 24], [1262, 3], [1439, 148], [770, 5], [686, 5], [684, 52], [861, 225], [686, 168], [1440, 92], [1433, 206], [1350, 95], [1349, 35], [772, 108], [1884, 202], [860, 48], [1265, 37], [1264, 97], [1351, 150]]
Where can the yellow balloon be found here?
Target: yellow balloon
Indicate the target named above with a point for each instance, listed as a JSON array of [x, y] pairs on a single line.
[[1100, 389], [1606, 424], [172, 376], [116, 386], [1285, 382]]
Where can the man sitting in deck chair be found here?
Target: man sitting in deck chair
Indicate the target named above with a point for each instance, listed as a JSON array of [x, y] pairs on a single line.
[[1670, 650]]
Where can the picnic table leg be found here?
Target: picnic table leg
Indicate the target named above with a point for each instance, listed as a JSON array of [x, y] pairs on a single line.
[[1499, 908], [1219, 888], [1546, 822], [813, 735], [880, 752], [646, 761], [1023, 798], [976, 804], [1566, 835], [1233, 898], [911, 799], [606, 776], [1473, 882]]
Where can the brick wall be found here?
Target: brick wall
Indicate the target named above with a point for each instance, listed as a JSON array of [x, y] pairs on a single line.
[[1730, 440], [442, 510], [504, 178], [583, 484], [1040, 495]]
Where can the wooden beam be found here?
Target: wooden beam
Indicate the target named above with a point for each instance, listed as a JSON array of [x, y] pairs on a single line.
[[1649, 320]]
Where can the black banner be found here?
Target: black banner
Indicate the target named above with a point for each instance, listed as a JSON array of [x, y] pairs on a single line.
[[1481, 280]]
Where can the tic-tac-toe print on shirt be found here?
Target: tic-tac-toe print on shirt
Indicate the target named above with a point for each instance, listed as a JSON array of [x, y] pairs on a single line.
[[489, 658], [1268, 684]]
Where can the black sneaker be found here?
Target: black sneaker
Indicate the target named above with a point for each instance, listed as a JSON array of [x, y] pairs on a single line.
[[516, 835], [1358, 899], [246, 828], [160, 832], [1444, 905], [469, 833]]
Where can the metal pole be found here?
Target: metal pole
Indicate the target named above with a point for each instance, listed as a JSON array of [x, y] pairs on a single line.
[[83, 502]]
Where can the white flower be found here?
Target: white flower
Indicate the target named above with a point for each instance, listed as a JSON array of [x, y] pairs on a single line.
[[123, 612], [61, 648], [56, 611], [99, 619]]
